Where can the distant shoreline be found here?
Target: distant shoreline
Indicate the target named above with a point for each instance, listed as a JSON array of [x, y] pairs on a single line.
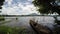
[[27, 15]]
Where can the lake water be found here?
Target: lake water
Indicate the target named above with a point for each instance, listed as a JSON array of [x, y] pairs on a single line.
[[39, 18], [24, 21]]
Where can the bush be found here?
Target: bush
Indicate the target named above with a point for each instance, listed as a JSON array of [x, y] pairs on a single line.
[[2, 18]]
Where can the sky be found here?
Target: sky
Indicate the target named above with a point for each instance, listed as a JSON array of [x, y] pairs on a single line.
[[18, 7]]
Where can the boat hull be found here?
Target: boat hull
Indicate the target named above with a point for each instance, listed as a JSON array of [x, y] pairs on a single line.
[[40, 29]]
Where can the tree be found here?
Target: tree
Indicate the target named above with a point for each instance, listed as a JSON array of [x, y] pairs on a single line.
[[1, 3], [47, 6]]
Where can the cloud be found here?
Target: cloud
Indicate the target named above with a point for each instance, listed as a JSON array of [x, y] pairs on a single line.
[[29, 0], [8, 1], [18, 8]]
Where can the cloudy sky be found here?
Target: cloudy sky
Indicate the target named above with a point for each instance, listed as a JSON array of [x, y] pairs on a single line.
[[18, 7]]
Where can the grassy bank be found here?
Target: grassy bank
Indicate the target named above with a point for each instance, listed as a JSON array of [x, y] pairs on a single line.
[[9, 30]]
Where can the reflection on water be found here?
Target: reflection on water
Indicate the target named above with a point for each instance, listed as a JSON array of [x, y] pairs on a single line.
[[24, 21]]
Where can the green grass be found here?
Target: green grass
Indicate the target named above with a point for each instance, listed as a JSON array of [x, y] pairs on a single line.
[[10, 30], [4, 29]]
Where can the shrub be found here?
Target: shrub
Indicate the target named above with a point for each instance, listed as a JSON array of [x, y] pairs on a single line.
[[2, 18]]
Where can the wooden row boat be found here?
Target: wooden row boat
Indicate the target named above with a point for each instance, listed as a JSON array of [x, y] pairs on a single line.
[[40, 29]]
